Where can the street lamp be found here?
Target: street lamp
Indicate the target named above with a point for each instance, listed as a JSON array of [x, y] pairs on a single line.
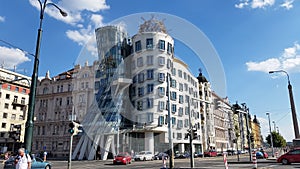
[[34, 77], [268, 114], [293, 109]]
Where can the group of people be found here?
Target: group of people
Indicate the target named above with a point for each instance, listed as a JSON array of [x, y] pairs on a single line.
[[22, 160]]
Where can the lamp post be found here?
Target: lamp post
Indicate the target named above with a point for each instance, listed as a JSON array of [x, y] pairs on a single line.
[[293, 109], [34, 77], [268, 114], [170, 133]]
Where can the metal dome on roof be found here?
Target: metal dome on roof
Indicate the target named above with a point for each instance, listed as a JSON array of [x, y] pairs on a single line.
[[152, 25], [201, 78]]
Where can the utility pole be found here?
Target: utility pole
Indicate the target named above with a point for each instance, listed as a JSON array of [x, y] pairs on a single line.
[[268, 114]]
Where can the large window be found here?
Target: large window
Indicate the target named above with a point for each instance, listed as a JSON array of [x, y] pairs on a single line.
[[150, 88], [173, 95], [133, 91], [141, 77], [174, 108], [180, 111], [179, 124], [138, 46], [161, 91], [173, 121], [140, 105], [161, 61], [161, 120], [161, 105], [179, 73], [150, 74], [149, 103], [161, 44], [180, 87], [161, 77], [180, 98], [149, 117], [170, 48], [141, 91], [149, 43], [173, 83], [150, 60], [140, 62]]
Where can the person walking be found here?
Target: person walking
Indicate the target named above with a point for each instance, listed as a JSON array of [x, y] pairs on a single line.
[[23, 160]]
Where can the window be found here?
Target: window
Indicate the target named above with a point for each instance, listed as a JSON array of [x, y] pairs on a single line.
[[173, 120], [86, 84], [8, 87], [173, 72], [150, 88], [170, 48], [134, 79], [149, 117], [161, 61], [169, 64], [187, 98], [173, 95], [150, 74], [6, 105], [45, 90], [179, 73], [173, 83], [184, 75], [141, 91], [186, 122], [7, 96], [13, 117], [161, 77], [161, 120], [140, 105], [179, 125], [15, 99], [180, 111], [174, 108], [17, 89], [186, 111], [24, 91], [149, 43], [180, 98], [4, 115], [138, 46], [149, 103], [186, 87], [161, 91], [82, 85], [61, 88], [57, 89], [161, 44], [141, 77], [21, 117], [3, 125], [139, 62], [14, 107], [161, 105], [150, 60], [180, 87], [133, 65], [68, 100]]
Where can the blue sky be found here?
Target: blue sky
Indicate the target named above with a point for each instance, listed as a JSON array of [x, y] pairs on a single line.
[[251, 37]]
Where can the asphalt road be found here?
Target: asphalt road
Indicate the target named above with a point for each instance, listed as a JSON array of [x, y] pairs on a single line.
[[200, 163]]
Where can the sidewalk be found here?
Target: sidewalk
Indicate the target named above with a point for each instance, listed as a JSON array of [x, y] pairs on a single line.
[[246, 161]]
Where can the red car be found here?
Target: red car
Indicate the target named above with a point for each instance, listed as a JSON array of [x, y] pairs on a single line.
[[293, 156], [122, 158], [210, 153]]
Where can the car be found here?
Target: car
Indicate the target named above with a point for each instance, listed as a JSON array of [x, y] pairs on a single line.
[[259, 155], [210, 153], [37, 163], [144, 155], [231, 152], [122, 158], [293, 156], [160, 155]]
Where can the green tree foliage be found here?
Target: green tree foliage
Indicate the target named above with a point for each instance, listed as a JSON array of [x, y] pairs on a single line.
[[278, 140]]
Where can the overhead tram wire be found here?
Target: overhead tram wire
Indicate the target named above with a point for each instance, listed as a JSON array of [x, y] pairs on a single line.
[[11, 45]]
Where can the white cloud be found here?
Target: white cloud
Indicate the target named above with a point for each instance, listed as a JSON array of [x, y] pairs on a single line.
[[2, 18], [262, 3], [289, 61], [242, 4], [10, 57], [287, 4], [97, 20]]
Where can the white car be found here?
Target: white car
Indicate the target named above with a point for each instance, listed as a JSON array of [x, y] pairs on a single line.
[[144, 155]]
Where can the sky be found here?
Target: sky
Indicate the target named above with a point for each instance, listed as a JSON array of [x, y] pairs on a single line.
[[251, 37]]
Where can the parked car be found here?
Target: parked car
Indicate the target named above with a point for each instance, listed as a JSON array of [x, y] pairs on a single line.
[[160, 155], [231, 152], [144, 155], [210, 153], [293, 156], [37, 163], [182, 155], [122, 158]]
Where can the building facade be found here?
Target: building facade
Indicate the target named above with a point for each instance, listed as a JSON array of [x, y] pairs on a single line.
[[60, 100], [256, 133], [14, 98]]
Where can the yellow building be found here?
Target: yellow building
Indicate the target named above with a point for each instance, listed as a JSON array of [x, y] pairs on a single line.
[[255, 126]]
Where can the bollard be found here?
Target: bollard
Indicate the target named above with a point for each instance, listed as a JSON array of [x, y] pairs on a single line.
[[254, 160], [276, 154], [225, 161]]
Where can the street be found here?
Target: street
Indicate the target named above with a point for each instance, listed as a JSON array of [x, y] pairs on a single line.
[[201, 163]]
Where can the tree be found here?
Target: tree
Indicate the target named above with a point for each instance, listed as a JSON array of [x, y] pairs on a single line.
[[278, 140]]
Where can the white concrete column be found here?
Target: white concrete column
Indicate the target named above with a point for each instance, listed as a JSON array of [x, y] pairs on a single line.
[[149, 141], [181, 148]]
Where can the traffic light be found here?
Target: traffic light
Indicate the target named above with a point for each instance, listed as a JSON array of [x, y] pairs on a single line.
[[194, 133], [75, 128]]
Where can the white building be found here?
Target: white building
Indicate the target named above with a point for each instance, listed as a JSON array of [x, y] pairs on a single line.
[[14, 98], [59, 100]]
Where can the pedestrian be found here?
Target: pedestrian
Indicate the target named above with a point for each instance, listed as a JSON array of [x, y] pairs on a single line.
[[23, 160], [45, 155]]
